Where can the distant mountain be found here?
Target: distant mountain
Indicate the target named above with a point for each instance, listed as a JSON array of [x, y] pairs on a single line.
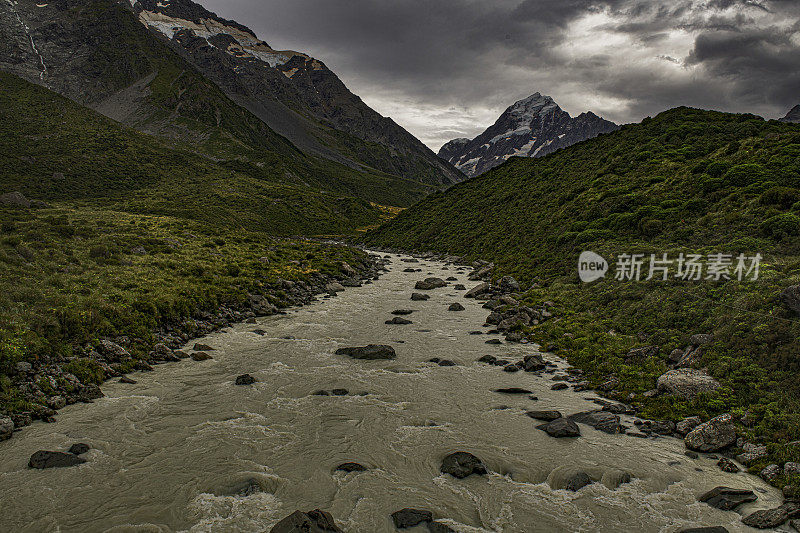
[[174, 69], [532, 127], [793, 115]]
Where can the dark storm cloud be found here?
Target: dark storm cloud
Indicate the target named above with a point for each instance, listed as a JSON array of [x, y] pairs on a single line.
[[448, 68]]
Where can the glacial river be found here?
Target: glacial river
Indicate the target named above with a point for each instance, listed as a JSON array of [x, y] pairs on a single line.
[[170, 452]]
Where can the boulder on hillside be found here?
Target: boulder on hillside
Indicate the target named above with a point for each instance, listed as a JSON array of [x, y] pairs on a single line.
[[751, 453], [790, 297], [686, 382], [315, 521], [509, 284], [712, 436], [688, 424], [6, 428], [369, 352], [644, 352], [113, 352], [14, 199]]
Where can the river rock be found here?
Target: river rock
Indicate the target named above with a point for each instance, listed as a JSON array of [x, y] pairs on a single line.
[[446, 362], [399, 321], [402, 312], [545, 416], [408, 517], [456, 307], [462, 464], [6, 428], [478, 290], [771, 518], [709, 529], [245, 379], [200, 356], [315, 521], [489, 359], [351, 467], [712, 436], [604, 421], [688, 424], [369, 352], [419, 297], [494, 341], [533, 363], [79, 448], [430, 283], [458, 287], [127, 380], [334, 287], [200, 347], [559, 386], [578, 481], [726, 465], [727, 498], [438, 527], [513, 390], [686, 382], [561, 427], [45, 459]]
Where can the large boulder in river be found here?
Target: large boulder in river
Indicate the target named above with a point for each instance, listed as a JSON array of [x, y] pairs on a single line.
[[726, 498], [315, 521], [561, 427], [419, 297], [44, 459], [462, 464], [686, 382], [712, 436], [430, 283], [369, 352]]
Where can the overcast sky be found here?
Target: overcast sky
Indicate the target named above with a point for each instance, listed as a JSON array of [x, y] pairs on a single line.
[[448, 68]]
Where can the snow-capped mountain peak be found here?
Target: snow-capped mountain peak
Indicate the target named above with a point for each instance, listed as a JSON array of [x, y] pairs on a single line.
[[531, 127]]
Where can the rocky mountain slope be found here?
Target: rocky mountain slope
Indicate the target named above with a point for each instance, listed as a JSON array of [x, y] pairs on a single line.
[[793, 115], [532, 127], [175, 70]]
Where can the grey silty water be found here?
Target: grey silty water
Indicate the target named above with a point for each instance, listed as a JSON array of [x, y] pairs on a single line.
[[170, 451]]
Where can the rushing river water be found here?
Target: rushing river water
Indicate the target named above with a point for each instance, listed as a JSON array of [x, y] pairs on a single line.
[[168, 451]]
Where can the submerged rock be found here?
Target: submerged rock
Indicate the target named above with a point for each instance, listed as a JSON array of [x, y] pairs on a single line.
[[315, 521], [408, 517], [578, 481], [245, 379], [402, 312], [351, 467], [513, 390], [79, 448], [369, 352], [727, 498], [398, 321], [45, 459], [200, 356], [544, 416], [456, 307], [462, 464]]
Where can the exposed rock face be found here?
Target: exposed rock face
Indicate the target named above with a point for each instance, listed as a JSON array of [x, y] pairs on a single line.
[[532, 127], [315, 521], [686, 382], [793, 115], [714, 435]]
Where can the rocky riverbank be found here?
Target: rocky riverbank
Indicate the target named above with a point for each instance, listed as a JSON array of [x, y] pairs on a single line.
[[721, 438], [51, 383]]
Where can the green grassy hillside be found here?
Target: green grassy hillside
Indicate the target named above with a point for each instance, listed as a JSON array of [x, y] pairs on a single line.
[[53, 149], [686, 181]]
